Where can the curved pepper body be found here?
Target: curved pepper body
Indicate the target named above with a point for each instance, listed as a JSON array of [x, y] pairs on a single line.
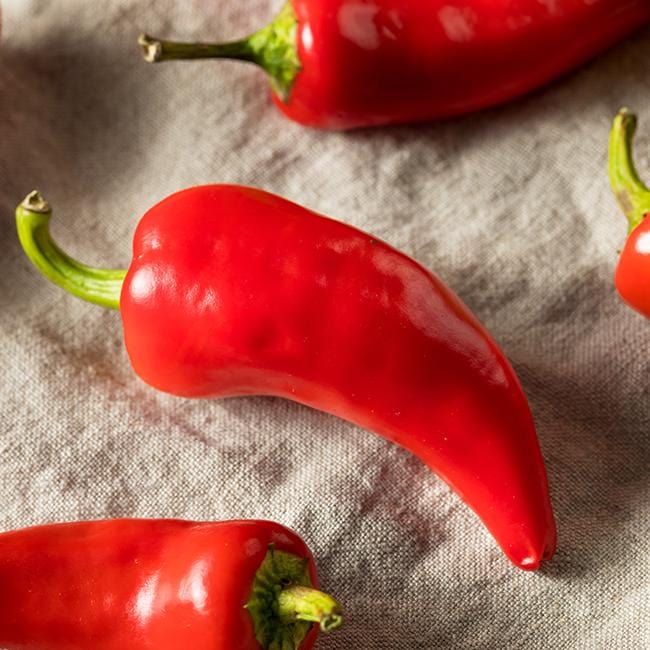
[[135, 584], [387, 61], [633, 269], [234, 291]]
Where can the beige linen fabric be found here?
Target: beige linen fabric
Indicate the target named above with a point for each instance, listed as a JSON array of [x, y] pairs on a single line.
[[511, 207]]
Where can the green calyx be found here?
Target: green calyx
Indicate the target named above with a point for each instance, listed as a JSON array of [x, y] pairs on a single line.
[[99, 286], [631, 193], [284, 605], [274, 48]]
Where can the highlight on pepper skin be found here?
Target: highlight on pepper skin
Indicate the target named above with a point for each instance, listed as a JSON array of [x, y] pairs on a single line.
[[300, 306], [164, 584], [342, 64], [632, 276]]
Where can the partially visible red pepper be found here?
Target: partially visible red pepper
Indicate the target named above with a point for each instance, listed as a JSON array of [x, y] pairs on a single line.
[[341, 64], [633, 271], [234, 291], [137, 584]]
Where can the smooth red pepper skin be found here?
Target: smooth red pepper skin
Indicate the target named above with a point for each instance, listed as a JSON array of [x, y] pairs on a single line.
[[388, 61], [234, 291], [633, 271], [135, 584]]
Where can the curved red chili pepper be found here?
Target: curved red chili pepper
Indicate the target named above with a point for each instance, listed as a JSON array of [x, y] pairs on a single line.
[[633, 271], [342, 64], [141, 584], [234, 291]]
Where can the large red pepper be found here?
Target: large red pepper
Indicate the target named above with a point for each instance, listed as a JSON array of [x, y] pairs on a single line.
[[345, 63], [137, 584], [633, 271], [234, 291]]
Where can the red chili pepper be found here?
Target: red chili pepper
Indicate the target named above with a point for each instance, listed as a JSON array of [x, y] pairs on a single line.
[[633, 270], [234, 291], [342, 64], [137, 584]]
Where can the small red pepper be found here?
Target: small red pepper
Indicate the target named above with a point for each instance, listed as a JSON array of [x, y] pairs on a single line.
[[341, 64], [234, 291], [138, 584], [633, 271]]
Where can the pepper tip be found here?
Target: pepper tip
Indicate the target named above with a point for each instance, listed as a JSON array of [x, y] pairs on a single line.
[[627, 119], [34, 202], [331, 622], [151, 49]]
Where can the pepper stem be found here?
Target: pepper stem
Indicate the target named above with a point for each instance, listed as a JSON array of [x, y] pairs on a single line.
[[274, 48], [283, 604], [155, 50], [300, 603], [631, 193], [99, 286]]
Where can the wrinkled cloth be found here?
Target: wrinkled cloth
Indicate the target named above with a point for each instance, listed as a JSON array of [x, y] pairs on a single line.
[[511, 207]]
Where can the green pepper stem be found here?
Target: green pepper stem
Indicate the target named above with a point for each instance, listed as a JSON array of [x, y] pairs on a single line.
[[155, 50], [283, 605], [631, 193], [308, 604], [99, 286], [274, 48]]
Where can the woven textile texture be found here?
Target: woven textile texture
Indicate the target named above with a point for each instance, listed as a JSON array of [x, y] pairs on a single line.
[[511, 207]]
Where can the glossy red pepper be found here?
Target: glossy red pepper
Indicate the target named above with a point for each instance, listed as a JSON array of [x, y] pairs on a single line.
[[234, 291], [633, 271], [136, 584], [341, 64]]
